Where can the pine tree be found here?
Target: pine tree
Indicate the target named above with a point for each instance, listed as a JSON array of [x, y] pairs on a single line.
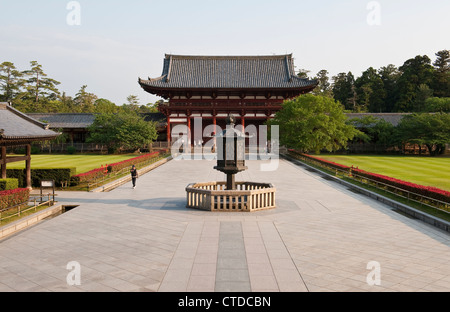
[[10, 81]]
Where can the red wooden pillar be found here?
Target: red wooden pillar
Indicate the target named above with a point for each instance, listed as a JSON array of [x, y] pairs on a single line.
[[215, 132], [168, 130], [189, 131], [243, 122], [28, 166]]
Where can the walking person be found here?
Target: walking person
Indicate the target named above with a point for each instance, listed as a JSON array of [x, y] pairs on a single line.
[[134, 175]]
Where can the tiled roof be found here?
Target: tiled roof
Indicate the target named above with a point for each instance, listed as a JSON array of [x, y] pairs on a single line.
[[65, 120], [16, 126], [228, 72], [393, 118]]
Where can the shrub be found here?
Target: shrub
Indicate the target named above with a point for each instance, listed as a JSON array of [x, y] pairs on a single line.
[[8, 184], [13, 197], [115, 167], [71, 150], [324, 162]]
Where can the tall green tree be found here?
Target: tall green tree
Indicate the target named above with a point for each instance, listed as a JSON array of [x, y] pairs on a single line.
[[38, 86], [84, 101], [324, 87], [10, 81], [389, 75], [431, 130], [132, 103], [422, 94], [370, 91], [122, 131], [105, 106], [344, 90], [303, 73], [438, 104], [414, 72], [441, 79], [312, 123]]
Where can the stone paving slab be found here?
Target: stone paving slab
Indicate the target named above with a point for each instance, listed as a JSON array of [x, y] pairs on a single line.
[[321, 237]]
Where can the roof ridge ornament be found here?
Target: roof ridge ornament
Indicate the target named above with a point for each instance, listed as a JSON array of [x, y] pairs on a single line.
[[287, 68], [169, 70]]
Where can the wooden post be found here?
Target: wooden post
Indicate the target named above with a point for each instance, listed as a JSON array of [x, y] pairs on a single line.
[[28, 166], [189, 137], [3, 162]]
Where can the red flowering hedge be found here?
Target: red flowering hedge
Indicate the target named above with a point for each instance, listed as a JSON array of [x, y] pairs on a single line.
[[322, 161], [428, 191], [99, 172], [13, 197]]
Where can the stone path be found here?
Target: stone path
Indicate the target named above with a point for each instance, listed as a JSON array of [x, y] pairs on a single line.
[[321, 237]]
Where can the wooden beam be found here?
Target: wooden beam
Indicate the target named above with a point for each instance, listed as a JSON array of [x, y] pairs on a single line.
[[15, 158], [3, 162], [28, 166]]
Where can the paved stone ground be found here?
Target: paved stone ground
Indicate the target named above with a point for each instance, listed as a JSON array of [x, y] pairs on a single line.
[[321, 237]]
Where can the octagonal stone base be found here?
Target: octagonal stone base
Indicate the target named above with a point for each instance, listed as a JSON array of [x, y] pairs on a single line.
[[213, 196]]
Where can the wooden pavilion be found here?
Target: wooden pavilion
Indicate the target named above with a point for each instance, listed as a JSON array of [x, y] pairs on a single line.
[[211, 87], [18, 129]]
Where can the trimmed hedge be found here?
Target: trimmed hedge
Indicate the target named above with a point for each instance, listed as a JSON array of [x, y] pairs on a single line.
[[13, 197], [37, 174], [322, 161], [428, 191], [115, 167], [8, 184]]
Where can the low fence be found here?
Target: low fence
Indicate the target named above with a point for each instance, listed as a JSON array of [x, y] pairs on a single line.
[[248, 196], [349, 172], [108, 177], [33, 203], [87, 147]]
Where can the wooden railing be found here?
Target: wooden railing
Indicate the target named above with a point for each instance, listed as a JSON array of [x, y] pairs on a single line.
[[409, 196], [33, 203]]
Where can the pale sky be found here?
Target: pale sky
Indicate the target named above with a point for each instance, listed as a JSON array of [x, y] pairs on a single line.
[[118, 41]]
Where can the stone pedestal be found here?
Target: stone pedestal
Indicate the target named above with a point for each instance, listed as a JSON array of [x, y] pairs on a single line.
[[248, 196]]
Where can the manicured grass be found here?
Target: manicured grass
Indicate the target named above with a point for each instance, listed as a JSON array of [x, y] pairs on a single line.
[[83, 163], [429, 171]]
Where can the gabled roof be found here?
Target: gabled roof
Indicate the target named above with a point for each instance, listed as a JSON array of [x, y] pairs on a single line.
[[65, 120], [228, 72], [392, 118], [17, 127]]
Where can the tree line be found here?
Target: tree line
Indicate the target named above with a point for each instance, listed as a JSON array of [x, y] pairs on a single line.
[[417, 86], [121, 128], [314, 123], [32, 91]]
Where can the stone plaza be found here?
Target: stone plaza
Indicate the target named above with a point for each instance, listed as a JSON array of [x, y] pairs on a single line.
[[321, 237]]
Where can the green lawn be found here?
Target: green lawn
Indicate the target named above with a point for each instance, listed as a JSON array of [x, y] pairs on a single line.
[[83, 163], [430, 171]]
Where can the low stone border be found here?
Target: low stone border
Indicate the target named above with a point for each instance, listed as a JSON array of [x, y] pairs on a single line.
[[28, 221], [415, 213], [213, 196], [112, 185]]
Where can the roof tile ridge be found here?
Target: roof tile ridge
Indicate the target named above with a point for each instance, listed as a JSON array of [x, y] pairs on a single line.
[[231, 57], [28, 118]]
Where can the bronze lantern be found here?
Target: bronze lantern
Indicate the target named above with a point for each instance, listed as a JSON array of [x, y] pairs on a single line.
[[230, 152]]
